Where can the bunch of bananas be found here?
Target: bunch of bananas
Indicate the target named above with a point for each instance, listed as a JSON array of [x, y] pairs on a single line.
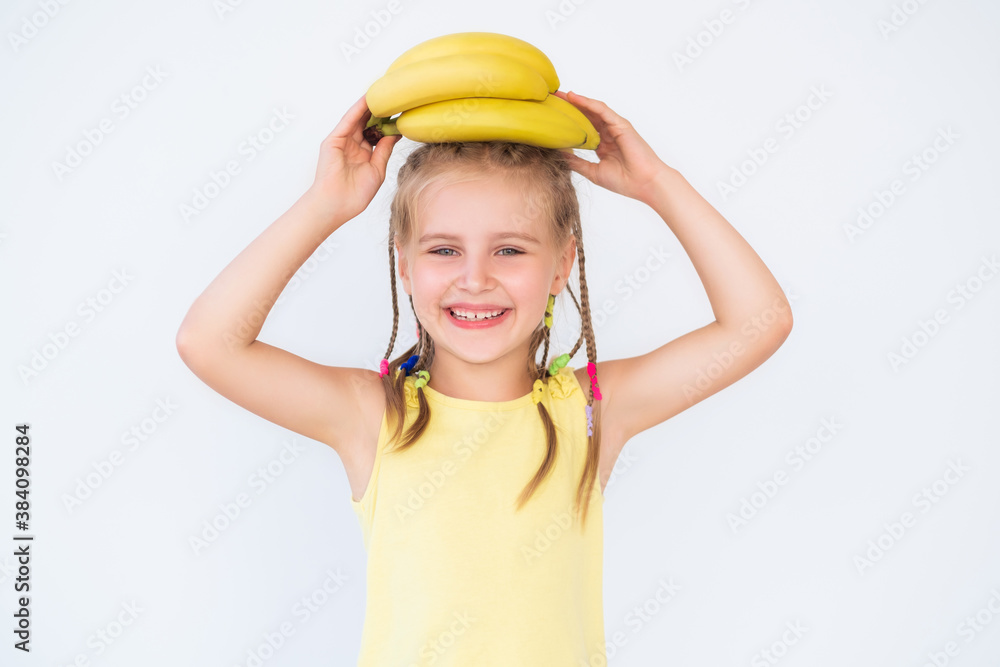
[[476, 86]]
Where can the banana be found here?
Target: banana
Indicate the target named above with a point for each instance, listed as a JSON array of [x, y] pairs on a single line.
[[466, 43], [476, 86], [489, 119], [454, 76], [551, 123], [568, 108]]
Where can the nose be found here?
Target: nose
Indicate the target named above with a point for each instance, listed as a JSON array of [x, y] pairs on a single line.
[[475, 273]]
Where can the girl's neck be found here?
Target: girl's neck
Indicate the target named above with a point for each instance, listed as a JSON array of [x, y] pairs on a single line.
[[504, 379]]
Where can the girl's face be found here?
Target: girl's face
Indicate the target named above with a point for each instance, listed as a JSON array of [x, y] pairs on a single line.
[[486, 245]]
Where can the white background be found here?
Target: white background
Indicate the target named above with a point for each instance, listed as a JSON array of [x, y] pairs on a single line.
[[856, 298]]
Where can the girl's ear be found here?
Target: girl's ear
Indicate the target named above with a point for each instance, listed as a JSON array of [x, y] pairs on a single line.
[[403, 269], [564, 266]]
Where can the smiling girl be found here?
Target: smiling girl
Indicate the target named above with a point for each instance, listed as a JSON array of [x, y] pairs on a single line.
[[477, 469]]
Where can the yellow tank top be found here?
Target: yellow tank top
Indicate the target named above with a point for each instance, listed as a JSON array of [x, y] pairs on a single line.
[[456, 576]]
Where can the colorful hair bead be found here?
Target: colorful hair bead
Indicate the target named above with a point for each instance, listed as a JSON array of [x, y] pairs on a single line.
[[548, 311], [536, 391], [407, 365], [383, 368], [592, 372], [590, 420], [422, 379], [558, 363]]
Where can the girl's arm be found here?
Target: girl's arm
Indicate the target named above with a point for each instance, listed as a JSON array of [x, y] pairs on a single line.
[[752, 315], [217, 339], [740, 288]]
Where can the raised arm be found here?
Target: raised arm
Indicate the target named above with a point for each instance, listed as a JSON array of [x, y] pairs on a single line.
[[217, 339], [752, 315]]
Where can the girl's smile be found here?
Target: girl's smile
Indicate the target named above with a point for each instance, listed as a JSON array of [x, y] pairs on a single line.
[[478, 319]]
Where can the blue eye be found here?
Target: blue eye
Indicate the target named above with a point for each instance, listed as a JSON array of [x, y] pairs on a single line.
[[439, 250]]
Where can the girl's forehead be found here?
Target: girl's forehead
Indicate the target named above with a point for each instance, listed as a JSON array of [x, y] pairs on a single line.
[[456, 186], [484, 203], [479, 208], [482, 223]]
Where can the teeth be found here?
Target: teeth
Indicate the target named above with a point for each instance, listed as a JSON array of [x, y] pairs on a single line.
[[468, 315]]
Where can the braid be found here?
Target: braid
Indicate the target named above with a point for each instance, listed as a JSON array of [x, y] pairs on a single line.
[[393, 382], [577, 304], [587, 332], [395, 308], [540, 369], [425, 346]]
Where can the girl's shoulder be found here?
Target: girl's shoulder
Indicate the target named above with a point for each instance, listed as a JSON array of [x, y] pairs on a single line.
[[567, 382], [360, 430]]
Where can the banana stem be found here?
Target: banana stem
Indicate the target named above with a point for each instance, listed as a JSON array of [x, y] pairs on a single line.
[[378, 127]]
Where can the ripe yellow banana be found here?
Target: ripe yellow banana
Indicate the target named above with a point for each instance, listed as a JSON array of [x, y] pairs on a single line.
[[566, 107], [489, 119], [451, 77], [466, 43]]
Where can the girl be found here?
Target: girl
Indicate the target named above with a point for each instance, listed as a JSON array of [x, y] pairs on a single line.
[[477, 471]]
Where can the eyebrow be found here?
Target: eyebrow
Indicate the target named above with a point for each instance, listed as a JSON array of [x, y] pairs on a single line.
[[501, 235]]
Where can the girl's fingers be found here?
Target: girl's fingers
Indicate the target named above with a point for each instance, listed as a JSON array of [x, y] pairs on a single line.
[[580, 102], [381, 152], [588, 109], [350, 124], [604, 114], [578, 164], [359, 115], [592, 105]]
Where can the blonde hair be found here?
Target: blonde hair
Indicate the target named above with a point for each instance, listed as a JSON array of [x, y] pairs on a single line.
[[543, 174]]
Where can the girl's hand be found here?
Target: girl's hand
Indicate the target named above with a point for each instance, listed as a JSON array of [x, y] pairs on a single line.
[[350, 170], [627, 164]]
